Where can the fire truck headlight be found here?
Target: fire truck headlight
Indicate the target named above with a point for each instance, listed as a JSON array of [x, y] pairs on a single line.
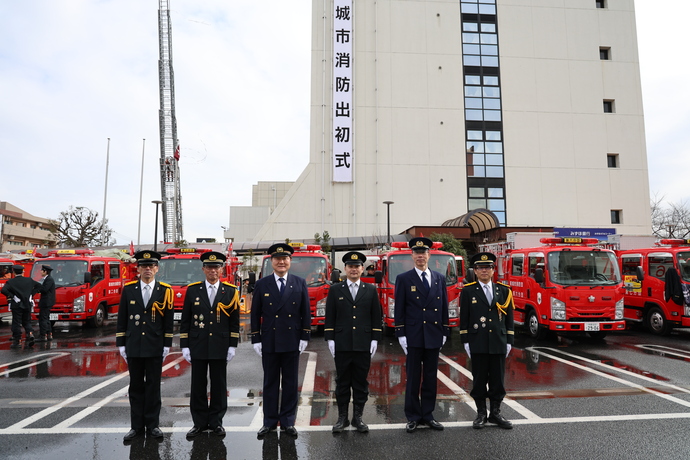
[[321, 307], [79, 303], [557, 309], [391, 307], [687, 311], [453, 308], [620, 305]]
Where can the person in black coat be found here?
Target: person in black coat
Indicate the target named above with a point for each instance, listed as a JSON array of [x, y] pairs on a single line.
[[45, 304], [422, 327], [144, 336], [19, 292], [280, 331], [209, 333], [352, 329], [487, 332]]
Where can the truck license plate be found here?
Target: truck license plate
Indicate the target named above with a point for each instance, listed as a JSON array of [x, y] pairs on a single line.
[[178, 317], [53, 317], [591, 327]]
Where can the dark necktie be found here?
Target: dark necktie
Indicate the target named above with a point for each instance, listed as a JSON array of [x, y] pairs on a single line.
[[282, 285], [425, 283]]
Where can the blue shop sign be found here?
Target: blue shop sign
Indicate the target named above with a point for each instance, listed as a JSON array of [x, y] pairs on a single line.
[[599, 233]]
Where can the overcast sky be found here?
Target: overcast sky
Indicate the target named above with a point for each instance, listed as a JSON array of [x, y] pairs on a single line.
[[74, 73]]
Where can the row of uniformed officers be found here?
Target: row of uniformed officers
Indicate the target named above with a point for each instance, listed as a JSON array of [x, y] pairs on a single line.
[[280, 331]]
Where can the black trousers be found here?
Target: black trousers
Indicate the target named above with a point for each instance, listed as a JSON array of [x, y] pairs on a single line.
[[280, 370], [421, 367], [352, 369], [204, 413], [21, 318], [44, 321], [145, 391], [488, 369]]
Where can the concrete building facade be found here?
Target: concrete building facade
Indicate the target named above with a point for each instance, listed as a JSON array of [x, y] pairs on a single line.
[[20, 230], [531, 109]]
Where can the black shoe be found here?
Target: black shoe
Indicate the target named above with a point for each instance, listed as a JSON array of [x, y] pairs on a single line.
[[434, 425], [500, 420], [292, 431], [341, 424], [155, 433], [480, 421], [16, 344], [411, 426], [41, 338], [219, 431], [265, 430], [195, 431], [131, 435], [30, 341]]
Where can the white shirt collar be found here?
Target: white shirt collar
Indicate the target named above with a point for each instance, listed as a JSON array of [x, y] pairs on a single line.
[[419, 273], [208, 285], [152, 284], [350, 283], [276, 277], [486, 284]]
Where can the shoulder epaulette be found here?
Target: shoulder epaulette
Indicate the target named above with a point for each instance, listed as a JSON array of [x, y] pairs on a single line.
[[504, 284], [165, 284], [194, 283], [229, 284], [132, 282], [470, 284]]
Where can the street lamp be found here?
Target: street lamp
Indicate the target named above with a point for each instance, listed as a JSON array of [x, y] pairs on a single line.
[[155, 231], [388, 205]]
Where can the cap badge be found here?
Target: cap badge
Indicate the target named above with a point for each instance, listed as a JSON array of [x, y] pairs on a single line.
[[280, 249], [147, 255], [419, 243], [354, 257], [485, 257], [212, 257]]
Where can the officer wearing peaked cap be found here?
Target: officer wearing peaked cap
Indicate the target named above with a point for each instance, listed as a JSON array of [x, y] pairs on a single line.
[[209, 333], [144, 337], [280, 331], [45, 304], [486, 330], [352, 329], [19, 292]]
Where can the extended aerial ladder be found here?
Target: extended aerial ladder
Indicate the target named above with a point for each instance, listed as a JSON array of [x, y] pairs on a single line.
[[170, 148]]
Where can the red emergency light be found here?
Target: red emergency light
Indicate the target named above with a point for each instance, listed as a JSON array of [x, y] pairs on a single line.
[[400, 245], [187, 250], [70, 252], [674, 242], [569, 240], [436, 245]]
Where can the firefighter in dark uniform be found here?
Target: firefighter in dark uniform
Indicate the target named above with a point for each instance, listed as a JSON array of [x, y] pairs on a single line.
[[144, 337], [46, 304], [422, 327], [19, 292], [280, 331], [209, 332], [352, 329], [487, 332]]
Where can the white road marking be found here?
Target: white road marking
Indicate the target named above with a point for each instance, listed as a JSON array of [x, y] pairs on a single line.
[[304, 408], [666, 350], [51, 356]]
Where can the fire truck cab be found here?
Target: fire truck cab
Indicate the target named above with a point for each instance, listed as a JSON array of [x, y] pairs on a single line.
[[399, 260], [566, 286], [645, 273], [87, 286]]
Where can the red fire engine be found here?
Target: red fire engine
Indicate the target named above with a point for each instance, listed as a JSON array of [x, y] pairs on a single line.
[[182, 266], [564, 286], [645, 298], [87, 286], [310, 263], [399, 260]]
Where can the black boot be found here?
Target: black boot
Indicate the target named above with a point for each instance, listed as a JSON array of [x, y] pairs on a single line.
[[16, 343], [480, 421], [342, 422], [496, 417], [357, 419], [30, 340]]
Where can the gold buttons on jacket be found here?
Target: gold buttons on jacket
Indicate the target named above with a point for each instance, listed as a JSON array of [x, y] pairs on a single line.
[[354, 317]]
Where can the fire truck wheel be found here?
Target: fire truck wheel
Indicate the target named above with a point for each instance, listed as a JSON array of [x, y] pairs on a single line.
[[656, 322], [536, 330], [99, 318]]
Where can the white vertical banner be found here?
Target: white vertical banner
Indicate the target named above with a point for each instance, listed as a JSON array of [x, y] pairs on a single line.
[[343, 159]]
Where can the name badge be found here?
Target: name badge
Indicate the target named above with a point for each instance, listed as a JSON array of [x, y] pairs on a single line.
[[132, 302], [266, 294], [413, 288]]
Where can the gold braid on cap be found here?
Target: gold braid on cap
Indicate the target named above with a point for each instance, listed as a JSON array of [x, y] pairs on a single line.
[[161, 306], [232, 306], [503, 308]]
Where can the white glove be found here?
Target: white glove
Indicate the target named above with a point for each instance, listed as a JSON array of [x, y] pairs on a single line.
[[231, 353], [123, 353], [508, 348], [372, 348], [257, 348], [166, 350], [444, 340], [331, 347], [302, 346], [187, 355], [403, 343], [467, 350]]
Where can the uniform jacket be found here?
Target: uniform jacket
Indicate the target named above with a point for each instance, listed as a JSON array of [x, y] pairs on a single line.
[[486, 327], [22, 287], [209, 330], [280, 322], [47, 293], [352, 323], [145, 329], [424, 321]]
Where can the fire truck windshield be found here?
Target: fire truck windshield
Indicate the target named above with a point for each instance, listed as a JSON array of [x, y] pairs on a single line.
[[441, 263], [180, 272], [684, 265], [65, 272], [583, 268], [312, 269]]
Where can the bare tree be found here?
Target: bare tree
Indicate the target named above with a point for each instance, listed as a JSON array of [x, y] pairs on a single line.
[[81, 227], [670, 221]]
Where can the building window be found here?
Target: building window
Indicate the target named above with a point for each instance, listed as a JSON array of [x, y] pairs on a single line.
[[616, 216], [608, 106], [601, 3], [612, 160], [605, 53]]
